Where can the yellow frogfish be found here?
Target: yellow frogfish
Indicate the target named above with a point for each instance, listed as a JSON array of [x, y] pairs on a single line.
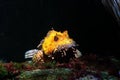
[[56, 40], [55, 46]]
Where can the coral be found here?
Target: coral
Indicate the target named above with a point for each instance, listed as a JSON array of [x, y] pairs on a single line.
[[3, 71], [89, 66], [47, 72]]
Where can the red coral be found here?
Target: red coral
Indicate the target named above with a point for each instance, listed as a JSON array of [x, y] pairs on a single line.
[[12, 71]]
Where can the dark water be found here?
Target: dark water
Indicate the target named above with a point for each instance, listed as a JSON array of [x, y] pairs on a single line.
[[24, 23]]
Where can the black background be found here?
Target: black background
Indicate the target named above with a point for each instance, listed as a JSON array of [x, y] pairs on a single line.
[[23, 23]]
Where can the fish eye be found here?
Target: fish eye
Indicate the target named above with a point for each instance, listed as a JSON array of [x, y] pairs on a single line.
[[56, 38]]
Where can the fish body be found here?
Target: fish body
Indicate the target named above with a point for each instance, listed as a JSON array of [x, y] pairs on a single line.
[[56, 46]]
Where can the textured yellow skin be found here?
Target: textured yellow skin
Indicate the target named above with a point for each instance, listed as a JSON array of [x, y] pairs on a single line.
[[55, 39]]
